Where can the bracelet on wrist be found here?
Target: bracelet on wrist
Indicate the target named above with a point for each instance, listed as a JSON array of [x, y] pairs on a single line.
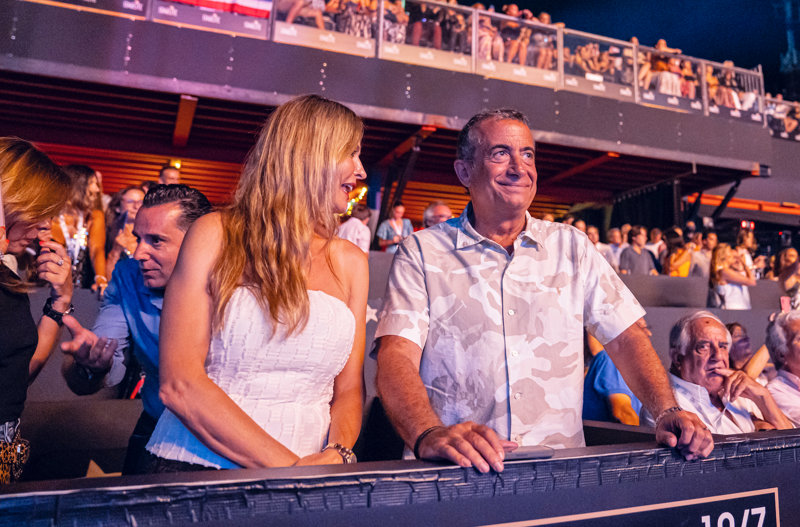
[[421, 437], [666, 412], [48, 311], [100, 277], [346, 453]]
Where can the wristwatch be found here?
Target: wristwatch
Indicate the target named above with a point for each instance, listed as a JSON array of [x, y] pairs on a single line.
[[346, 453], [56, 315]]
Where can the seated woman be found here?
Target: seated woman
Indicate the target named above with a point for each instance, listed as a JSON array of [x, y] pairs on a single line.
[[788, 273], [783, 343], [394, 22], [120, 241], [728, 92], [510, 32], [729, 279], [81, 228], [713, 86], [644, 60], [755, 365], [688, 80], [262, 332]]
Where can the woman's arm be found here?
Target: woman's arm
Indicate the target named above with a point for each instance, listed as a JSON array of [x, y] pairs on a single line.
[[97, 244], [348, 388], [185, 334], [678, 259], [757, 362]]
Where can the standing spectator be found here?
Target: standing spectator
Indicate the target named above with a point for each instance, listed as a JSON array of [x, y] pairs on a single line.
[[788, 274], [729, 279], [548, 217], [34, 189], [169, 175], [783, 342], [625, 229], [393, 231], [678, 257], [81, 228], [746, 247], [636, 259], [355, 228], [656, 244], [594, 236], [580, 225], [120, 240], [701, 260], [436, 213]]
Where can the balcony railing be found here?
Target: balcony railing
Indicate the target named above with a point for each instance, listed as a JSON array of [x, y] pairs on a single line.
[[518, 49]]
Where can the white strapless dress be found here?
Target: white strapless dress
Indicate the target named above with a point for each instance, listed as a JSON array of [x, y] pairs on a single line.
[[284, 384]]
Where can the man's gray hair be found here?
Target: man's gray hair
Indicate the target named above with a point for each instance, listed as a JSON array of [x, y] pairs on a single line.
[[427, 216], [680, 337], [777, 338], [469, 140]]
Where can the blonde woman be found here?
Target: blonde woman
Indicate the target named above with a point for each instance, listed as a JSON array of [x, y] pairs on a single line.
[[33, 189], [729, 279], [262, 332]]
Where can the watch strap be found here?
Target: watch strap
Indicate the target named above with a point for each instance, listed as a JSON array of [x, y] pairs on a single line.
[[57, 316], [347, 454]]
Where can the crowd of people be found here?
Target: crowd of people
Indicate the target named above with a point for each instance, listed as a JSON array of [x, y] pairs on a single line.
[[782, 116], [249, 321]]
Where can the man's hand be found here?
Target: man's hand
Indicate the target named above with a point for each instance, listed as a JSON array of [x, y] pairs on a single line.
[[687, 433], [467, 444], [53, 265], [87, 349], [738, 384]]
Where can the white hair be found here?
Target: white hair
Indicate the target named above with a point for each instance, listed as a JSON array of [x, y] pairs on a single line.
[[680, 337], [427, 216], [777, 340]]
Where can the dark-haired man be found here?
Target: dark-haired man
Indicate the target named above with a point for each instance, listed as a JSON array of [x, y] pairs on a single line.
[[169, 175], [636, 259], [480, 339], [131, 312]]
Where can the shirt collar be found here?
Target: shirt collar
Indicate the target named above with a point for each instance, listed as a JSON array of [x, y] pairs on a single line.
[[468, 236], [790, 379], [695, 391], [156, 296]]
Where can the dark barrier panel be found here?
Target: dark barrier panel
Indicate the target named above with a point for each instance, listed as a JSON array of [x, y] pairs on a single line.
[[752, 476]]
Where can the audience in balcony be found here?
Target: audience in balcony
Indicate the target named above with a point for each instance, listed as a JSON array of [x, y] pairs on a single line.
[[425, 23], [783, 342], [689, 82], [454, 30], [726, 401], [308, 9], [730, 277], [728, 91], [644, 60], [542, 48], [746, 246], [636, 259], [395, 20], [81, 228], [666, 70], [490, 44]]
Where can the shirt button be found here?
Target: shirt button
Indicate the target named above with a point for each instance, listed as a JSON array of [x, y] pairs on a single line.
[[517, 395], [512, 312], [514, 353]]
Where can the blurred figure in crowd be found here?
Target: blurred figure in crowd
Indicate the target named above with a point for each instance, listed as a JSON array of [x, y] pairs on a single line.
[[580, 225], [788, 273], [746, 247], [726, 401], [105, 199], [129, 318], [436, 213], [394, 230], [606, 396], [81, 228], [743, 357], [33, 190], [701, 260], [678, 256], [120, 240], [615, 246], [625, 230], [169, 175], [636, 259], [355, 229], [729, 279], [548, 217], [783, 342], [656, 244], [594, 236]]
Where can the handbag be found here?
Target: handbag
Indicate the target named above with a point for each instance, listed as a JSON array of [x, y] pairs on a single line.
[[13, 457]]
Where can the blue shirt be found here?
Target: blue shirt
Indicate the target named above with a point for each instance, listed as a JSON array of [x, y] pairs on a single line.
[[602, 380], [131, 313], [387, 232]]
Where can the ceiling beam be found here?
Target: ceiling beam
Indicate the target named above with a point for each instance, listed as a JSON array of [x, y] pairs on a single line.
[[183, 121], [415, 139], [583, 167]]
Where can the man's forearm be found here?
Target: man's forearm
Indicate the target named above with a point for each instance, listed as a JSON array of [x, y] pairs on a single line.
[[642, 370], [404, 396]]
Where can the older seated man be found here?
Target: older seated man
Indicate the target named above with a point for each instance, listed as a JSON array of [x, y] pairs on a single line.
[[727, 401], [783, 343]]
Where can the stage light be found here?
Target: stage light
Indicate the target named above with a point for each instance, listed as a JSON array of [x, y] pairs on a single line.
[[176, 163]]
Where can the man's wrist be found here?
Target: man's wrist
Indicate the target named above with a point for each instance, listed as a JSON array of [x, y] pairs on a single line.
[[666, 412], [421, 437]]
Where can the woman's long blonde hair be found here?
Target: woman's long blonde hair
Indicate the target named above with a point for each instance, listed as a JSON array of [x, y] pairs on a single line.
[[719, 261], [33, 188], [285, 194]]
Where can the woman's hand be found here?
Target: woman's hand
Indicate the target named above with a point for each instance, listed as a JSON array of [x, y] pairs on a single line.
[[99, 285], [125, 240], [328, 457], [53, 266]]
